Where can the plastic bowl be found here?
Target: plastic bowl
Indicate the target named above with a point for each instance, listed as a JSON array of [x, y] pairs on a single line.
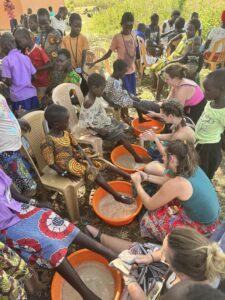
[[120, 151], [77, 258], [150, 123], [119, 186]]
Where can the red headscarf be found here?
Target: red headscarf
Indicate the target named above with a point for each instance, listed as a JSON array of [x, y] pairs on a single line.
[[223, 16]]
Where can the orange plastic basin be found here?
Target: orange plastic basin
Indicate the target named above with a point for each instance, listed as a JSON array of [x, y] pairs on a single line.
[[119, 186], [120, 151], [77, 258], [150, 123]]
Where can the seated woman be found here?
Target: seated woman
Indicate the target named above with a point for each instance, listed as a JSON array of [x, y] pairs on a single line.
[[172, 113], [188, 253], [42, 237], [186, 91], [185, 190]]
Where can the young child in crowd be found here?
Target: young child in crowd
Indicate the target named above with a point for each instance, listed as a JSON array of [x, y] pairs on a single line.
[[124, 43], [49, 37], [93, 116], [211, 124], [63, 71], [195, 16], [38, 57], [193, 59], [116, 96], [17, 73], [61, 152], [178, 29], [33, 28], [77, 44], [152, 33], [168, 25]]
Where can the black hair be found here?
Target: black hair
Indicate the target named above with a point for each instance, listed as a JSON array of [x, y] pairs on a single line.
[[141, 27], [119, 65], [175, 12], [196, 23], [194, 14], [188, 290], [127, 17], [33, 16], [42, 12], [21, 31], [73, 17], [62, 8], [154, 17], [64, 52], [50, 8], [95, 80], [179, 23], [55, 113], [218, 78], [8, 40]]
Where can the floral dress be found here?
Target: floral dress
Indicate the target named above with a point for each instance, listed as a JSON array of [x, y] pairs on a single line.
[[51, 42]]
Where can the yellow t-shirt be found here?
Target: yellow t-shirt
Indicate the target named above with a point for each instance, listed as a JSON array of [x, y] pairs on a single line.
[[75, 45]]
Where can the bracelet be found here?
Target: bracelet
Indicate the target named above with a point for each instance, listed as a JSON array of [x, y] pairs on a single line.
[[63, 174], [33, 202]]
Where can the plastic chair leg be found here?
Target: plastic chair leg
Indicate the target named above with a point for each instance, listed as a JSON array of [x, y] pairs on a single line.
[[72, 204]]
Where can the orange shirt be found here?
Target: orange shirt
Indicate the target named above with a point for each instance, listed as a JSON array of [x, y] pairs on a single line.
[[125, 46], [75, 45]]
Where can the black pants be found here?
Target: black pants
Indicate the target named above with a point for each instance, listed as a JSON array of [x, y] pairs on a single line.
[[210, 157], [13, 24], [195, 111]]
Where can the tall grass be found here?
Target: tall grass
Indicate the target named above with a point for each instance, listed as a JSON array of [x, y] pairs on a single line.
[[107, 21]]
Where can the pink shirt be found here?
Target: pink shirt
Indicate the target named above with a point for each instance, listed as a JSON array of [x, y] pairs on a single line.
[[125, 46]]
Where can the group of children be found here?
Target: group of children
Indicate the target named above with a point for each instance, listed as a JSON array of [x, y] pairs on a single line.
[[38, 59]]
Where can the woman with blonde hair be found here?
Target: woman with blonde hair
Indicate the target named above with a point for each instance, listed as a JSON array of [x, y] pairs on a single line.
[[188, 254]]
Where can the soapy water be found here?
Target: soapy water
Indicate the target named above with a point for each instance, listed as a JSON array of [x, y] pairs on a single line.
[[127, 161], [97, 278]]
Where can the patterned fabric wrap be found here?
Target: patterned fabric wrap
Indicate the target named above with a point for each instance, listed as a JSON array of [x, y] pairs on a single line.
[[13, 271], [150, 277], [41, 236], [17, 168]]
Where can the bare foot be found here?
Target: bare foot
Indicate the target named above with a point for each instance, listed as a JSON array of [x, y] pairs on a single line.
[[142, 120]]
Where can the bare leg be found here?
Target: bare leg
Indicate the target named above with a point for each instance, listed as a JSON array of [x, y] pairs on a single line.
[[155, 168], [115, 244], [129, 147], [136, 292], [121, 198]]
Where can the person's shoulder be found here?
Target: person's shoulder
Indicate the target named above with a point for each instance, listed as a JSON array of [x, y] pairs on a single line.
[[83, 37], [117, 36]]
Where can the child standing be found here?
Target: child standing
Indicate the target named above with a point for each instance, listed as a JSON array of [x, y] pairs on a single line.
[[211, 124], [77, 44], [38, 57], [33, 27], [152, 33], [17, 73], [124, 43], [61, 152], [93, 116], [49, 37]]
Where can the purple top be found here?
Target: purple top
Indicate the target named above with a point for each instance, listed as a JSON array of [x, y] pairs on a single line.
[[19, 69], [8, 206]]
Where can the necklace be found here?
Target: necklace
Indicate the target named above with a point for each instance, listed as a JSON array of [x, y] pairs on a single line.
[[133, 55], [74, 55]]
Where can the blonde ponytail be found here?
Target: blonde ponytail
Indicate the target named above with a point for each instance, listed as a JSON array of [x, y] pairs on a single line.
[[215, 263]]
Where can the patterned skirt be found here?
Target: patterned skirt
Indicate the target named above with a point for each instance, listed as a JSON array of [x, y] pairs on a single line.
[[17, 168], [41, 236], [157, 224], [13, 271]]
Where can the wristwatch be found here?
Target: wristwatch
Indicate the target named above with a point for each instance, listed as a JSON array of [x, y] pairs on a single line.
[[33, 202]]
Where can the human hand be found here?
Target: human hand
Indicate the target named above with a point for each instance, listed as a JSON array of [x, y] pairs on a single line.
[[144, 176], [152, 114], [136, 178], [25, 126], [44, 204], [149, 135]]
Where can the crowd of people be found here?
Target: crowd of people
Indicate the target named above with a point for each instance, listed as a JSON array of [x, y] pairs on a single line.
[[181, 209]]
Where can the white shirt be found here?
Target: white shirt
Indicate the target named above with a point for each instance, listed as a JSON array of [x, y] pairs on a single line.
[[58, 24], [10, 132], [215, 35]]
